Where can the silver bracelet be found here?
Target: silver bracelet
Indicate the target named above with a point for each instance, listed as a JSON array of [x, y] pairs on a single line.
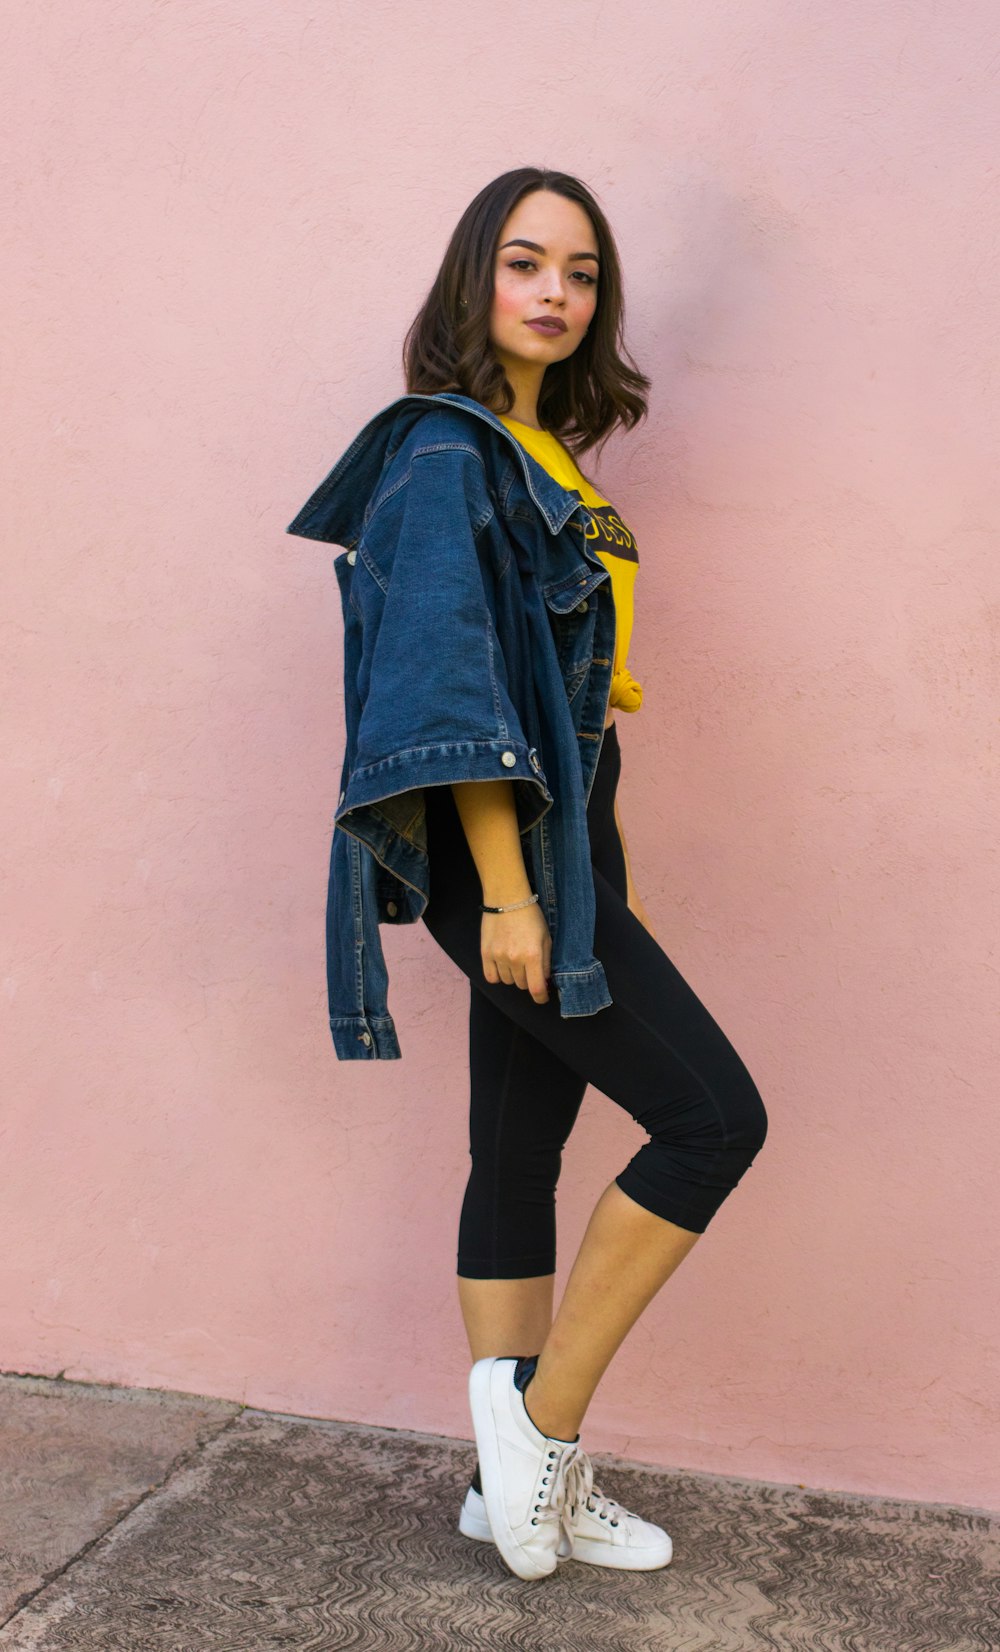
[[512, 908]]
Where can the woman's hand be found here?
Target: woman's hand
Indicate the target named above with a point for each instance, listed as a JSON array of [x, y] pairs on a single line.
[[516, 949], [516, 946]]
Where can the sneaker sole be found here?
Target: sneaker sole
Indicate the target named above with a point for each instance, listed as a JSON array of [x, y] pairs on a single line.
[[621, 1560], [585, 1550]]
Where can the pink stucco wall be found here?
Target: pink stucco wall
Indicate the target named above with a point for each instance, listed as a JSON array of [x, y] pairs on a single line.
[[221, 219]]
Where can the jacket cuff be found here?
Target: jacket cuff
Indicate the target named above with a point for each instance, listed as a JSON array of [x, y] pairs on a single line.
[[364, 1038], [441, 763], [582, 991]]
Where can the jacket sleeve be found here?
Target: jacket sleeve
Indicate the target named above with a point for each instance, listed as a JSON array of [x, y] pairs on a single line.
[[433, 698]]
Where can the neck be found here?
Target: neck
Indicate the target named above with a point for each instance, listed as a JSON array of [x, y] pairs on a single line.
[[525, 379]]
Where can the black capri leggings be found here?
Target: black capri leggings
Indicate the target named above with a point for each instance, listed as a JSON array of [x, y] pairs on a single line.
[[655, 1051]]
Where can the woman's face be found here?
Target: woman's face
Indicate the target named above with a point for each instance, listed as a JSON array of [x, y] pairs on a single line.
[[555, 276]]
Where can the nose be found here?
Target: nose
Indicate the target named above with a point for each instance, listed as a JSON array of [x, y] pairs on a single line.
[[556, 293]]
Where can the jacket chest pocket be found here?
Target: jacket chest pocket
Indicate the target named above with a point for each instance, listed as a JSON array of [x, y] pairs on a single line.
[[573, 631]]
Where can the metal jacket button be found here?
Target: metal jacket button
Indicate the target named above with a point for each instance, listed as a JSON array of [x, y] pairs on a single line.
[[352, 557], [391, 908], [582, 607], [508, 759], [366, 1038]]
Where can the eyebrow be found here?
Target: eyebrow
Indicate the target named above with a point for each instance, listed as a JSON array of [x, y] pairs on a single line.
[[574, 257]]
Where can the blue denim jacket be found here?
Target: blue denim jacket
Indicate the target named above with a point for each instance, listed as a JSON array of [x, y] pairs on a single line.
[[479, 634]]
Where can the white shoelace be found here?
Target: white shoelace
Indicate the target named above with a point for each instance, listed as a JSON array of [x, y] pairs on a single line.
[[582, 1493], [558, 1497], [571, 1487]]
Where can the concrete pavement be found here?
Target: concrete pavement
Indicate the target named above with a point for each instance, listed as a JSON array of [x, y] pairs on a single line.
[[157, 1522]]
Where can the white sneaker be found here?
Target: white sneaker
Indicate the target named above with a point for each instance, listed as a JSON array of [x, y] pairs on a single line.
[[472, 1522], [523, 1471], [607, 1534], [603, 1532]]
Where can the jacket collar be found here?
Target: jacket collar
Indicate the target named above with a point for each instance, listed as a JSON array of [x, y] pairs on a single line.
[[335, 511]]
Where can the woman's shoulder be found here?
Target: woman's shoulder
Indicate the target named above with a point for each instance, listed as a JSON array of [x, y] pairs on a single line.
[[436, 413], [380, 457], [419, 425]]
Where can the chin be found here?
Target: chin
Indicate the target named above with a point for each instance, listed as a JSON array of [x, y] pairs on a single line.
[[552, 348]]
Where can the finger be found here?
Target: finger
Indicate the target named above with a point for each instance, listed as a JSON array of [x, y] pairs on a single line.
[[536, 982]]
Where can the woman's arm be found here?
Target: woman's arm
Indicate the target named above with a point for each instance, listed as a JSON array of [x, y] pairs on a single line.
[[516, 947], [489, 820], [634, 903], [628, 865]]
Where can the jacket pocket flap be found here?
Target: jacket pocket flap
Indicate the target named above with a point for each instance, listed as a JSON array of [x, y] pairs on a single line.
[[563, 594]]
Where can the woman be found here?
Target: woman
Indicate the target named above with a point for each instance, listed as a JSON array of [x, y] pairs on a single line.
[[524, 320]]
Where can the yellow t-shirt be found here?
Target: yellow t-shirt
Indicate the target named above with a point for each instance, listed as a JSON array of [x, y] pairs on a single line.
[[609, 537]]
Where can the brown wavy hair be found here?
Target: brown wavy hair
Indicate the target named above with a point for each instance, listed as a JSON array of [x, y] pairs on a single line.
[[582, 399]]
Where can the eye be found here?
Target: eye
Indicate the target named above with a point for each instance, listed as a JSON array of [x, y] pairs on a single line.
[[588, 280]]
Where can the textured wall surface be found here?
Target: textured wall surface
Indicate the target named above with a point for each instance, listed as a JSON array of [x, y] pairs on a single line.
[[221, 219]]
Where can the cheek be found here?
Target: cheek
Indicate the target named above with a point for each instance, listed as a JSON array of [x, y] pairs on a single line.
[[507, 301]]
